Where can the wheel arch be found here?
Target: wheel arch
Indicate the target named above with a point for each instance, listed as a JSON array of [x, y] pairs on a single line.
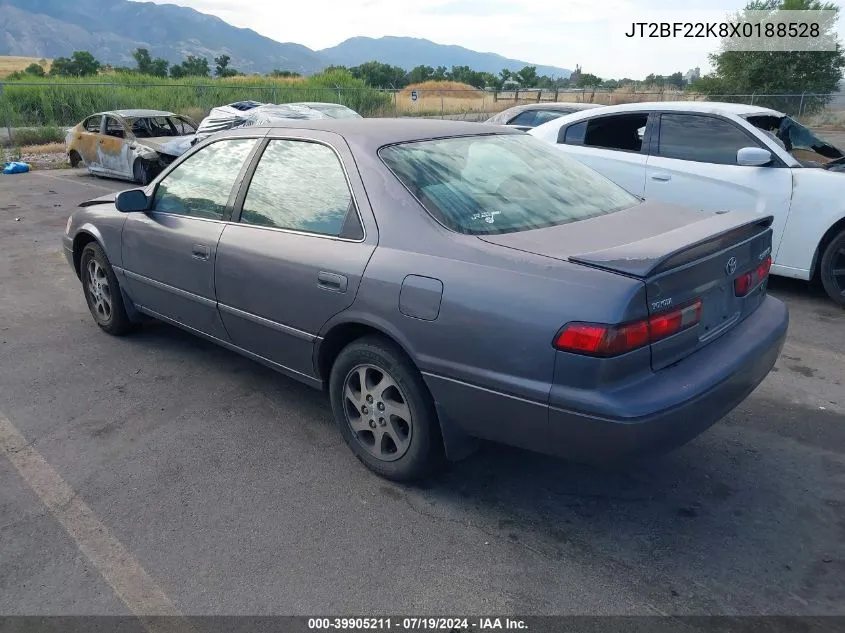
[[83, 237], [339, 333], [343, 330], [835, 229]]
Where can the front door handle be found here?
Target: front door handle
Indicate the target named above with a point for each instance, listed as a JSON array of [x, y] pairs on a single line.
[[332, 281], [661, 177], [201, 252]]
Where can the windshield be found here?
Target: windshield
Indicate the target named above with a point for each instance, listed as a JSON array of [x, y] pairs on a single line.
[[797, 139], [158, 126], [489, 184]]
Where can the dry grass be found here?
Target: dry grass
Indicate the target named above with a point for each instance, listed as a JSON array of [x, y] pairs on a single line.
[[10, 64], [827, 120], [49, 148], [443, 96]]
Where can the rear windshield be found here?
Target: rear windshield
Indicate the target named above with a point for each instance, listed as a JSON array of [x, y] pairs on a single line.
[[480, 185]]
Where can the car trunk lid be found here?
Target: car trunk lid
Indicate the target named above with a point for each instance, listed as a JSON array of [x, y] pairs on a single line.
[[681, 255]]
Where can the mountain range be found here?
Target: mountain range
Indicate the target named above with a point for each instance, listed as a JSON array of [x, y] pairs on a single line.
[[112, 29]]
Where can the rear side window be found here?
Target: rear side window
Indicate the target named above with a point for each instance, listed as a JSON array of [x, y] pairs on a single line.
[[524, 118], [200, 186], [92, 124], [491, 184], [574, 134], [620, 132], [704, 139], [298, 185]]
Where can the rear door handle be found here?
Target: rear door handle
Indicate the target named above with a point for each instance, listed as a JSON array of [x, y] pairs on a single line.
[[332, 281], [661, 177], [201, 252]]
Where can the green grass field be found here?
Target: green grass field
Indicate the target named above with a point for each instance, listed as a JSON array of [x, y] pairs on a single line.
[[66, 101]]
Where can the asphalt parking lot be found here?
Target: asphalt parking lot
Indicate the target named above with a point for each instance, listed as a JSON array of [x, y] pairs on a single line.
[[160, 468]]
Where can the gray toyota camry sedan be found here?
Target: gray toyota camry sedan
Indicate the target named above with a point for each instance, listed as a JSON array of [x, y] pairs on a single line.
[[445, 282]]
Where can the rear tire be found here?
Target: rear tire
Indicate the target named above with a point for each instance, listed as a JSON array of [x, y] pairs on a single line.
[[74, 158], [102, 291], [832, 269], [384, 410]]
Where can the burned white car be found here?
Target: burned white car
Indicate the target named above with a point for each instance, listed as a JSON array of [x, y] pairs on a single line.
[[129, 144]]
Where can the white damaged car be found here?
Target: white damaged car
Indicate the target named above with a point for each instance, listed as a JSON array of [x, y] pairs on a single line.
[[724, 156]]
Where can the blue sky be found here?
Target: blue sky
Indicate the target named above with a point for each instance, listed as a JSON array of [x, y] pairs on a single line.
[[556, 32]]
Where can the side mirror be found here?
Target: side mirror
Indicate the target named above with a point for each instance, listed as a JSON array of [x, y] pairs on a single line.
[[132, 200], [753, 157]]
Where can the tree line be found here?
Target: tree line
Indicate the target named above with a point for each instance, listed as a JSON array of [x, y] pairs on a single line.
[[734, 71], [374, 73]]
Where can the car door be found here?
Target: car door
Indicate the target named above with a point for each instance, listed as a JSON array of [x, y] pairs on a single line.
[[297, 253], [169, 251], [615, 145], [112, 148], [693, 163], [86, 140]]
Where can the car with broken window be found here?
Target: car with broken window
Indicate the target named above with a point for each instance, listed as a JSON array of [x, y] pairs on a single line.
[[720, 157], [530, 115], [129, 144], [444, 282]]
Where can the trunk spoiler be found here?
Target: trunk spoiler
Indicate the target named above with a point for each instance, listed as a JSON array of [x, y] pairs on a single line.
[[106, 199], [654, 255]]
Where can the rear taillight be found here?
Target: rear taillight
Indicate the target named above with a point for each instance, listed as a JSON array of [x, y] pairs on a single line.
[[746, 282], [595, 339]]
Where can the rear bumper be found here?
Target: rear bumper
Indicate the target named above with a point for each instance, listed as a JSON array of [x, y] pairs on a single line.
[[653, 415], [699, 391]]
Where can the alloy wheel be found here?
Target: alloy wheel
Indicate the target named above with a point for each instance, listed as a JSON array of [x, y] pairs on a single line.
[[377, 411]]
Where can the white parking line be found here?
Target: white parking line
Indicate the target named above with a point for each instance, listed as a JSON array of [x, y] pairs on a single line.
[[119, 568], [75, 182]]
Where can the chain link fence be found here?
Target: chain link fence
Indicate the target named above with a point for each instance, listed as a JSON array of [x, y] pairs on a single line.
[[61, 105]]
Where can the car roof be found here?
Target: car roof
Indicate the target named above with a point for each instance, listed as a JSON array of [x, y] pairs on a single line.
[[137, 113], [707, 107], [371, 134]]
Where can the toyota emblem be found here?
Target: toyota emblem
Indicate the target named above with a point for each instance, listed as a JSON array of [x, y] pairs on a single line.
[[730, 267]]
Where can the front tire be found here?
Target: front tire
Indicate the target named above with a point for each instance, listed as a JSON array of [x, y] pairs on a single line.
[[102, 291], [832, 271], [142, 172], [384, 410]]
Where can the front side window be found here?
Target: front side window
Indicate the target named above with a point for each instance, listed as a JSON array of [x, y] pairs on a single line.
[[200, 186], [114, 128], [502, 183], [298, 185], [703, 139]]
